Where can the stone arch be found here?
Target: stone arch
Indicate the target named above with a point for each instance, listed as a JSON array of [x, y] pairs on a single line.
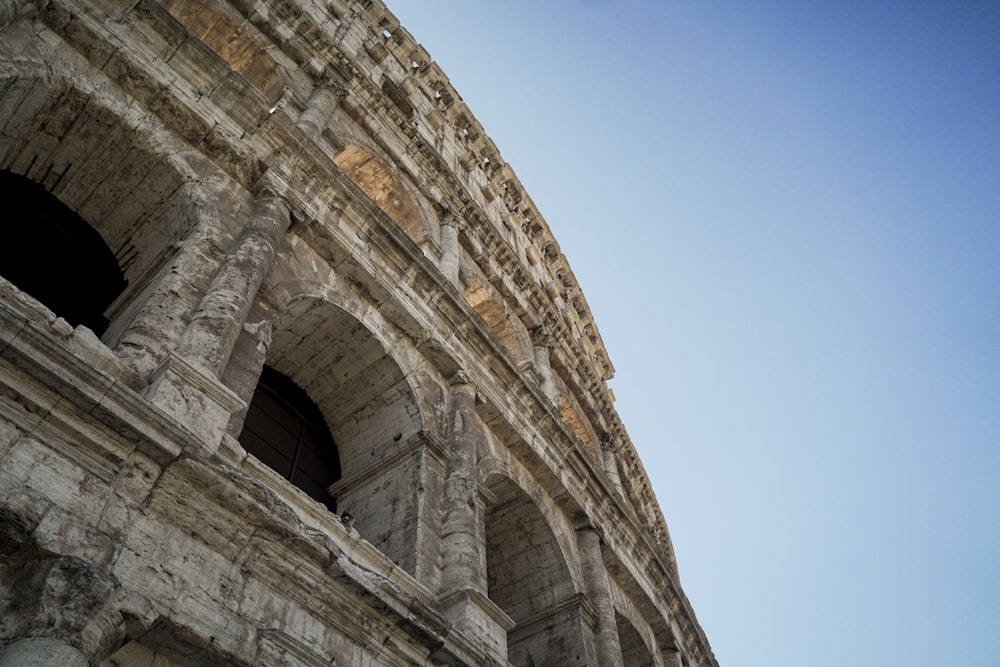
[[643, 629], [112, 165], [571, 413], [503, 325], [529, 578], [635, 653], [383, 187], [338, 298], [47, 242], [235, 43], [287, 431], [371, 406], [344, 367]]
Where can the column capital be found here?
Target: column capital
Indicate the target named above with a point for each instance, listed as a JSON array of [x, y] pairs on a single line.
[[333, 85], [608, 441], [584, 526], [460, 378], [269, 187], [446, 215], [453, 217], [539, 336]]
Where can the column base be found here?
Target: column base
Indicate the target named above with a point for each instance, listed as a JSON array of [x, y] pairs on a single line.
[[475, 615], [196, 398]]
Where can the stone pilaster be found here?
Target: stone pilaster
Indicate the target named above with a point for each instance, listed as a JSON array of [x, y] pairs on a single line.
[[187, 384], [172, 297], [248, 358], [462, 541], [463, 593], [595, 577], [210, 336], [672, 657], [610, 460], [319, 109], [449, 247], [540, 343]]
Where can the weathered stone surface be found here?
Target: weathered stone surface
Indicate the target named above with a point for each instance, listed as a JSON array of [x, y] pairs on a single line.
[[350, 407]]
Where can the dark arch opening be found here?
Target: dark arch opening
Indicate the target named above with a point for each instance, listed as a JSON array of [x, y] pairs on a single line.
[[51, 253], [287, 432]]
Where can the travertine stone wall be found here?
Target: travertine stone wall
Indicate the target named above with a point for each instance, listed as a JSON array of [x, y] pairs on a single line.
[[294, 184]]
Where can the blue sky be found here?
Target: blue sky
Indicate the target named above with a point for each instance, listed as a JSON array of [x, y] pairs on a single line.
[[786, 219]]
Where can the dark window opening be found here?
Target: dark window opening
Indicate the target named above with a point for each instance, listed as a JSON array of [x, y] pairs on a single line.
[[51, 253], [287, 432]]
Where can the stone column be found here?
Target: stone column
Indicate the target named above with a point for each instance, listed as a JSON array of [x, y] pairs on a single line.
[[672, 657], [463, 593], [449, 248], [595, 577], [464, 560], [608, 448], [319, 109], [249, 357], [186, 384], [540, 341], [210, 336], [160, 320]]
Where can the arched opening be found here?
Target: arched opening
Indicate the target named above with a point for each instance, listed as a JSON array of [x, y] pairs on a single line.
[[635, 653], [286, 431], [375, 179], [51, 253], [571, 417], [499, 321], [529, 580], [365, 398], [119, 171]]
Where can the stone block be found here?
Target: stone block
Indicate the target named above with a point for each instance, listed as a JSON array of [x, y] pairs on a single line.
[[196, 399]]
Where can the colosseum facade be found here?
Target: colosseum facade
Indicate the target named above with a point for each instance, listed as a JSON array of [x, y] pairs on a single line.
[[292, 371]]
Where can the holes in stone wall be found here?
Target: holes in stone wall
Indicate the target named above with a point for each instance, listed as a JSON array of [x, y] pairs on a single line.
[[398, 97]]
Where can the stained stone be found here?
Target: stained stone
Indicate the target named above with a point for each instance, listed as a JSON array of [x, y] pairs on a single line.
[[442, 477]]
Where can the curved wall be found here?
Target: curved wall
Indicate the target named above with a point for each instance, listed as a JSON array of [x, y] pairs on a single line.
[[295, 184]]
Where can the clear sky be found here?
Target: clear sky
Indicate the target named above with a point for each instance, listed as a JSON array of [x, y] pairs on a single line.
[[785, 216]]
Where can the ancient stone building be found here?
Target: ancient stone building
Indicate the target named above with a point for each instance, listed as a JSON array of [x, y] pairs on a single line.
[[292, 371]]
